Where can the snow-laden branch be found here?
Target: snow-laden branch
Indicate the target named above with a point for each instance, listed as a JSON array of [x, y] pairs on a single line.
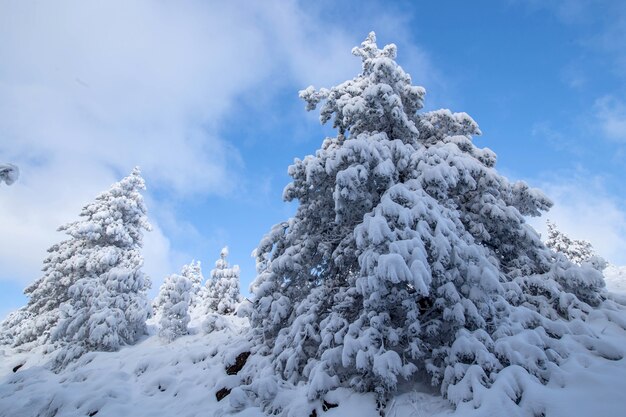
[[9, 173]]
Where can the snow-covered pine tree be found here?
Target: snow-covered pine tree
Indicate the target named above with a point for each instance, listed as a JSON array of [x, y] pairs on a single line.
[[105, 303], [223, 287], [105, 243], [408, 256], [18, 328], [193, 272], [577, 251], [174, 299], [33, 322], [197, 293]]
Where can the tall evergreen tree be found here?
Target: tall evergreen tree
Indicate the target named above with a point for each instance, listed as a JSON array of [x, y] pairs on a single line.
[[92, 293], [107, 305], [408, 255]]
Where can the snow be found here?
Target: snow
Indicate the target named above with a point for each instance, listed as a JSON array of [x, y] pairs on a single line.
[[154, 378], [150, 379]]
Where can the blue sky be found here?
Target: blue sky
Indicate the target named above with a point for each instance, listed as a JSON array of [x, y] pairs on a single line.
[[203, 96]]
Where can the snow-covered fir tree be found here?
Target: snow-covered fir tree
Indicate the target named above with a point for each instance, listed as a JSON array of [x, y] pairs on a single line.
[[104, 304], [222, 290], [18, 328], [193, 272], [33, 322], [97, 268], [408, 257], [197, 293], [577, 251], [174, 299]]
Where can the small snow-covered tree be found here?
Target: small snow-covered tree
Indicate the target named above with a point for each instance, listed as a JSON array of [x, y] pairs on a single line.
[[9, 173], [193, 272], [577, 251], [105, 304], [174, 299], [409, 255], [197, 293], [223, 287]]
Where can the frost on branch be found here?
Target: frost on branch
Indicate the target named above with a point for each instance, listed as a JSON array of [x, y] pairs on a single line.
[[92, 293], [9, 173], [409, 256]]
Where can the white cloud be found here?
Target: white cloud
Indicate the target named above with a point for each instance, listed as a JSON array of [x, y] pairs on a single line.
[[584, 210], [121, 84], [95, 88], [610, 113], [91, 89]]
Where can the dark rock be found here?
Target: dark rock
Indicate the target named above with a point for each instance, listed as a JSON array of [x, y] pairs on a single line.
[[240, 361], [93, 413], [17, 367], [222, 393], [327, 406]]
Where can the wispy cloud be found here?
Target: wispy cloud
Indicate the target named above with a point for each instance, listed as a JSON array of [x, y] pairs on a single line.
[[555, 138], [610, 113], [584, 209], [573, 76]]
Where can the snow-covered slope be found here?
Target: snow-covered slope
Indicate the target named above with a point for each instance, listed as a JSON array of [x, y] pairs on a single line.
[[181, 378], [152, 378]]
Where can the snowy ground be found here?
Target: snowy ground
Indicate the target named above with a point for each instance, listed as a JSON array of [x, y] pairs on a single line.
[[181, 378]]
